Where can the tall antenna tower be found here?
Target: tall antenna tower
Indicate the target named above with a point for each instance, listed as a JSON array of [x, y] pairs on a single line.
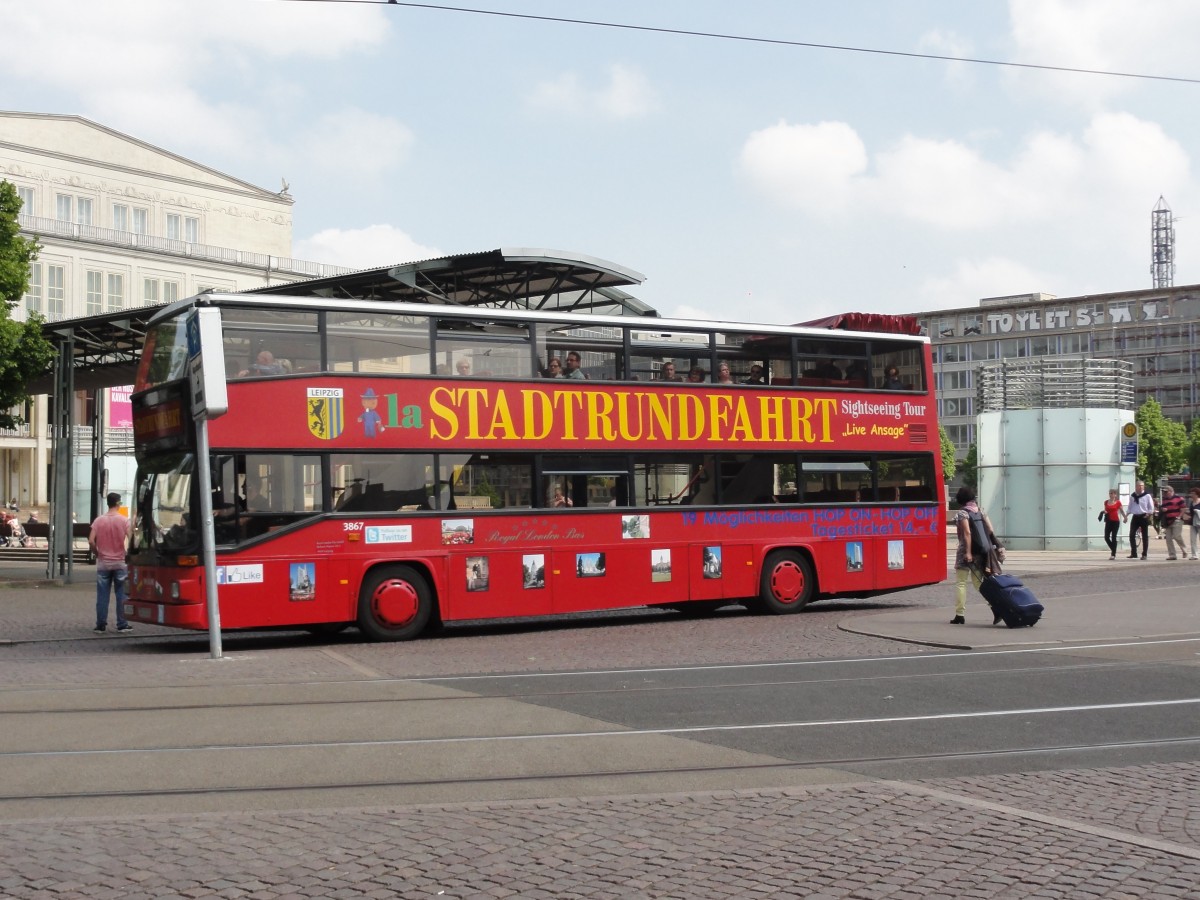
[[1162, 236]]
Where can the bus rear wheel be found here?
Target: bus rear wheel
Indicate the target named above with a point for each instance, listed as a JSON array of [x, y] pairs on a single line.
[[787, 584], [395, 604]]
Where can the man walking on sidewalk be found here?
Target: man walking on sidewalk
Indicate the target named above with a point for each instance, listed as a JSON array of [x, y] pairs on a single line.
[[108, 539], [1172, 508], [1141, 508]]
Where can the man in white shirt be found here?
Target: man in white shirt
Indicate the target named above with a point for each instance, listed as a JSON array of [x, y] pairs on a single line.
[[1141, 508]]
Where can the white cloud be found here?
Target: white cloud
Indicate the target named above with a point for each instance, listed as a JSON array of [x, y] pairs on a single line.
[[363, 248], [813, 167], [627, 94], [1136, 36], [825, 169], [975, 279], [128, 63]]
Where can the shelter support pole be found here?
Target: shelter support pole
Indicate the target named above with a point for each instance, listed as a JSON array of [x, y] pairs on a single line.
[[62, 471]]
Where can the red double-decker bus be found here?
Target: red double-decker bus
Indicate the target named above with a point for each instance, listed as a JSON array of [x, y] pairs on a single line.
[[394, 465]]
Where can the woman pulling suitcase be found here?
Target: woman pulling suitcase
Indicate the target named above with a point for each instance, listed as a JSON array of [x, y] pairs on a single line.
[[974, 558]]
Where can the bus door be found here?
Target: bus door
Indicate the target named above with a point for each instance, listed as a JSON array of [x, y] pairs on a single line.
[[721, 571]]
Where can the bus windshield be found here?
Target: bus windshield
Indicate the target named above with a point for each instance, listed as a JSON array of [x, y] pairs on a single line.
[[164, 518]]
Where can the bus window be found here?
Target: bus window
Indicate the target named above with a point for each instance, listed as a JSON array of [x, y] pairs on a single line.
[[739, 352], [585, 480], [832, 360], [667, 355], [661, 480], [164, 355], [269, 342], [597, 353], [162, 517], [907, 479], [773, 354], [256, 493], [836, 479], [750, 478], [485, 481], [477, 347], [377, 343], [910, 363], [381, 482]]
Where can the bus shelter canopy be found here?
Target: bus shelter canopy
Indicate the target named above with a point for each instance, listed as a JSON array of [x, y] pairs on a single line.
[[102, 351]]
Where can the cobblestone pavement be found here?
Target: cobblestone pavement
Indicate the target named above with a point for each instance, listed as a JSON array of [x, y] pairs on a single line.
[[954, 838]]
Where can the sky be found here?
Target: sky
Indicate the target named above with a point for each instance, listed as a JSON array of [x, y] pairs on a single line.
[[749, 179]]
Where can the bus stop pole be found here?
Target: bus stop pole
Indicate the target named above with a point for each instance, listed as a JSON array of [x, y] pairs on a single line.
[[207, 538]]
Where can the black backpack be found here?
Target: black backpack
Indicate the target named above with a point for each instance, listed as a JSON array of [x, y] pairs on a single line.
[[981, 540]]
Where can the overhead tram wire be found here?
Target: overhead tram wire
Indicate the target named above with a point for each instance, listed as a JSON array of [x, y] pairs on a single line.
[[780, 42]]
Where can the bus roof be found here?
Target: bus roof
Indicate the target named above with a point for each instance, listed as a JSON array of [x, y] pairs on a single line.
[[655, 330], [876, 322]]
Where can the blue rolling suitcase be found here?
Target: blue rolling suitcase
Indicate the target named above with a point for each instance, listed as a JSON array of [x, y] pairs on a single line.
[[1011, 600]]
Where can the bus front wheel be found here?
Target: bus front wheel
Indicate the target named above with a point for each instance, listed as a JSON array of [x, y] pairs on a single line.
[[787, 583], [395, 604]]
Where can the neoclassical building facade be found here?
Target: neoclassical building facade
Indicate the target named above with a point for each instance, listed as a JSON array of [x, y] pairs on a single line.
[[125, 224]]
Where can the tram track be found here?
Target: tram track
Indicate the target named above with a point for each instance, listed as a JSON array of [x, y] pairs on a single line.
[[623, 689], [845, 762]]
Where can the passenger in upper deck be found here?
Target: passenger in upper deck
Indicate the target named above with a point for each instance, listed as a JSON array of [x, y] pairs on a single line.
[[668, 373], [264, 364], [723, 376], [697, 375], [757, 375], [463, 367], [573, 362], [856, 371], [829, 369], [891, 380], [554, 368]]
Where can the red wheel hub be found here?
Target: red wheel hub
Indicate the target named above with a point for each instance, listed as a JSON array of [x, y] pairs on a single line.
[[787, 582], [394, 603]]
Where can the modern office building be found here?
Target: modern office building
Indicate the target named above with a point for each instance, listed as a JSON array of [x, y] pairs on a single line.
[[124, 224], [1157, 330]]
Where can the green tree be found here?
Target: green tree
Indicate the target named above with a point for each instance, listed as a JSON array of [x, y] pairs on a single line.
[[1162, 443], [24, 353], [970, 468], [1193, 450], [949, 466]]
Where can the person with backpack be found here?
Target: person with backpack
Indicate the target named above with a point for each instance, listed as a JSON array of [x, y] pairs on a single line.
[[976, 545]]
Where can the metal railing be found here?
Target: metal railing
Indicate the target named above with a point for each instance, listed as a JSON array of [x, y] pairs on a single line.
[[93, 234]]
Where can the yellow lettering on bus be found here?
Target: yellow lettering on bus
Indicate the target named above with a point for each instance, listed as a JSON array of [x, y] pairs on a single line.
[[443, 412], [625, 414], [770, 413], [569, 403], [743, 427], [473, 396], [718, 415], [501, 425], [599, 417], [691, 417], [662, 414], [536, 407]]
